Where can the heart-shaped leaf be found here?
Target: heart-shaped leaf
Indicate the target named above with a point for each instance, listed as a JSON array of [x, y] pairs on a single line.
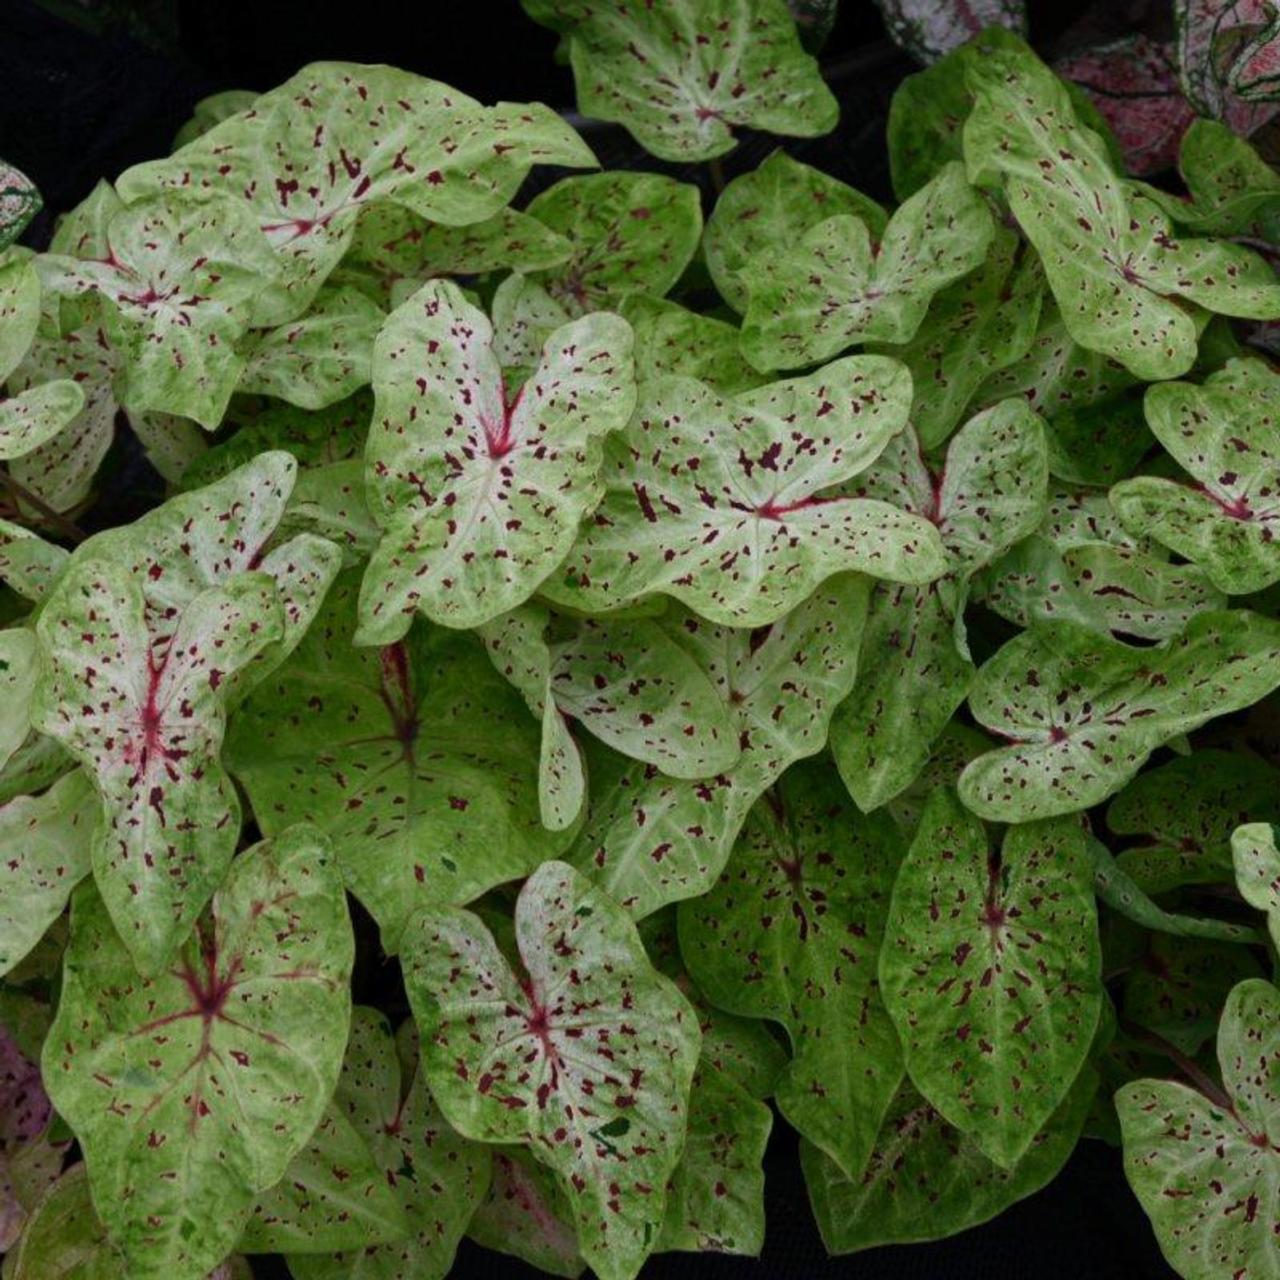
[[181, 278], [19, 203], [1202, 1163], [587, 1058], [1182, 816], [772, 207], [926, 1179], [479, 497], [1082, 713], [434, 1178], [928, 29], [988, 493], [681, 82], [416, 759], [309, 156], [791, 931], [320, 358], [191, 1092], [727, 504], [146, 722], [528, 1215], [1226, 434], [1110, 257], [651, 839], [44, 854], [630, 233], [838, 286], [1257, 866], [992, 970], [715, 1202]]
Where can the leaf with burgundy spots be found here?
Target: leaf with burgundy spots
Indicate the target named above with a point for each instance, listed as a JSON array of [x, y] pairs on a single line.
[[926, 1179], [957, 744], [682, 81], [33, 417], [1225, 514], [1133, 82], [319, 359], [587, 1057], [1222, 52], [1202, 1161], [987, 494], [44, 854], [983, 323], [1256, 859], [669, 339], [181, 279], [525, 315], [28, 564], [19, 307], [527, 1215], [19, 203], [211, 111], [191, 1092], [306, 158], [715, 1201], [1181, 816], [435, 1178], [478, 495], [992, 970], [328, 503], [394, 251], [1082, 713], [769, 208], [841, 284], [18, 667], [650, 839], [1109, 255], [791, 932], [416, 759], [630, 233], [928, 29], [172, 444], [146, 721], [727, 503]]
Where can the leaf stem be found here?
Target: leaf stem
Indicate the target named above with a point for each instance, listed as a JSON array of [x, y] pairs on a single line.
[[69, 529], [1193, 1071], [716, 170]]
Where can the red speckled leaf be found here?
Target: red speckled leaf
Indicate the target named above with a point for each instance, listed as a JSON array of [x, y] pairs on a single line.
[[586, 1057], [1222, 59]]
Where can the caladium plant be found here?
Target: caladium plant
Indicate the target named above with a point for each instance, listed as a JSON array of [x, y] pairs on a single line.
[[688, 664]]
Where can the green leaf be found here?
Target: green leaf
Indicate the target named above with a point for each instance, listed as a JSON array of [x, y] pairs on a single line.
[[1202, 1166], [838, 286], [1109, 256], [992, 971], [211, 111], [19, 306], [588, 1060], [1083, 713], [1177, 987], [727, 504], [145, 718], [987, 494], [1224, 433], [527, 1215], [320, 358], [926, 1180], [482, 500], [33, 417], [791, 932], [18, 667], [181, 279], [669, 339], [434, 1179], [982, 323], [28, 563], [19, 203], [768, 209], [44, 854], [64, 1239], [190, 1093], [630, 233], [416, 759], [649, 839], [681, 82], [715, 1202], [309, 156], [1257, 867], [1183, 815]]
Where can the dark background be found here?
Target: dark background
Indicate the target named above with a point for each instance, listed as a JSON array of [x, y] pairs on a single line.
[[85, 92]]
